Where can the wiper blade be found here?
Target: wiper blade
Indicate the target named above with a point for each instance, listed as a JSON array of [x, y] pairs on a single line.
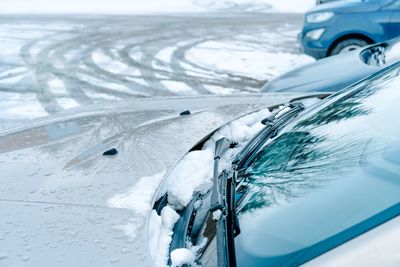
[[221, 208], [280, 112], [233, 220], [223, 202], [221, 146], [273, 124]]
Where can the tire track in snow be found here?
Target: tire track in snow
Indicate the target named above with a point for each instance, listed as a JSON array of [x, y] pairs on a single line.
[[67, 54]]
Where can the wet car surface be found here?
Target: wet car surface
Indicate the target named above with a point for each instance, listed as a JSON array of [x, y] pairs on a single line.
[[334, 73], [56, 181], [330, 175]]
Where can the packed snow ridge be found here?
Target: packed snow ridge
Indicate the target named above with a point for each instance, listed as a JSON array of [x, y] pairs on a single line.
[[153, 6]]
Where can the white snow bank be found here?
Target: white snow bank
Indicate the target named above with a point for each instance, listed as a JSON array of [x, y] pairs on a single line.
[[182, 256], [152, 6], [190, 174], [194, 172], [240, 130], [139, 198], [160, 234]]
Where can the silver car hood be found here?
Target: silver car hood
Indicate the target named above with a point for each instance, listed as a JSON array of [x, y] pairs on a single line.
[[55, 182]]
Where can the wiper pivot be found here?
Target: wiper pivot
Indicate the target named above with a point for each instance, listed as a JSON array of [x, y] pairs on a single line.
[[276, 114]]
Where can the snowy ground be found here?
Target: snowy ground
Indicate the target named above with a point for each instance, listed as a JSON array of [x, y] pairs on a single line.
[[52, 63], [152, 6]]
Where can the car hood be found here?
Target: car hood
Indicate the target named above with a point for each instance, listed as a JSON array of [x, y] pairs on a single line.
[[325, 75], [348, 6], [56, 183]]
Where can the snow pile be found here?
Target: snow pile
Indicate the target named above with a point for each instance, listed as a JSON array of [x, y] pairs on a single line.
[[152, 6], [182, 256], [140, 197], [194, 172], [160, 234], [191, 174], [240, 130]]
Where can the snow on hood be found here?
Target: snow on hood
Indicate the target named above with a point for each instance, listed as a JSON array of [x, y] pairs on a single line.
[[63, 201], [193, 173]]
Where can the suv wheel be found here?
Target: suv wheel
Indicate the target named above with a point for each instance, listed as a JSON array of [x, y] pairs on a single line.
[[348, 46]]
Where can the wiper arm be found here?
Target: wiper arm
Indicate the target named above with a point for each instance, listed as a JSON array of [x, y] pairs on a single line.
[[232, 203], [223, 202], [275, 115], [223, 209], [221, 146], [273, 123]]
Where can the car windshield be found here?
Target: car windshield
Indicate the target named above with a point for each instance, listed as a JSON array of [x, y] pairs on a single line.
[[328, 177]]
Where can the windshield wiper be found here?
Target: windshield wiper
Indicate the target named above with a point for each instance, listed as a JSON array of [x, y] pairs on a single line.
[[221, 146], [223, 202], [273, 124], [223, 207]]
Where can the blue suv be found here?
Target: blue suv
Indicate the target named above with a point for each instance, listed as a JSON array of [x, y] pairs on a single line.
[[346, 25]]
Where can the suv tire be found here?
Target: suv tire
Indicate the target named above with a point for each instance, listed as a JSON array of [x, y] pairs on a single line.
[[347, 46]]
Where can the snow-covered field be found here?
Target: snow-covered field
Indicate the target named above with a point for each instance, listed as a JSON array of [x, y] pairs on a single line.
[[52, 63], [250, 59], [152, 6]]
